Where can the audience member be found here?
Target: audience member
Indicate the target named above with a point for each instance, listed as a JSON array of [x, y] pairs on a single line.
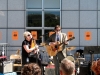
[[67, 67], [31, 69], [96, 67]]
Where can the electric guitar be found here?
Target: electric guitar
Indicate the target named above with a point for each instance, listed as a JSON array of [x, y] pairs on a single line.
[[52, 50]]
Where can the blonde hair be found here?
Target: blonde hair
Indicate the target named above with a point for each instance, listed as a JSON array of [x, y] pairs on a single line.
[[67, 66], [26, 33]]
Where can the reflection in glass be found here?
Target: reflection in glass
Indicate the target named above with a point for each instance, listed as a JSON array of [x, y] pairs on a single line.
[[52, 18], [34, 19], [39, 33], [46, 32], [52, 4], [34, 4]]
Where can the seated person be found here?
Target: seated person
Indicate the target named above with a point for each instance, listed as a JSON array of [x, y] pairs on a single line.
[[31, 69], [96, 67], [67, 67]]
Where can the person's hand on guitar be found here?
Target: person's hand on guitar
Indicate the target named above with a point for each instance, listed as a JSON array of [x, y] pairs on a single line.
[[52, 43], [36, 47], [66, 42], [35, 51]]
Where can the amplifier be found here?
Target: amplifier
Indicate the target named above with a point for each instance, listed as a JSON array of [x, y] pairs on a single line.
[[6, 66], [84, 70]]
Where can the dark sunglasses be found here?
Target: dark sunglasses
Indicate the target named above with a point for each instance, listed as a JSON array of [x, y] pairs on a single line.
[[28, 35]]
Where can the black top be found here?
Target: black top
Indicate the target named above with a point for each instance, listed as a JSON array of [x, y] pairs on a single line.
[[24, 53]]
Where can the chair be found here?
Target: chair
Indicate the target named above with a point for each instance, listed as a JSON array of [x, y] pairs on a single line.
[[17, 62], [16, 57]]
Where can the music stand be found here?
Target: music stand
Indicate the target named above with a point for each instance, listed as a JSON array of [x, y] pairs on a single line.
[[94, 49], [91, 50]]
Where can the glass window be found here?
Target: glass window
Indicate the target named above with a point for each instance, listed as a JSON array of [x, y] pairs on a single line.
[[52, 4], [37, 4], [52, 18], [47, 32], [34, 19], [39, 33]]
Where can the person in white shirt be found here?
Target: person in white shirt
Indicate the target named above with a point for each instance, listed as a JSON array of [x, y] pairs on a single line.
[[52, 40]]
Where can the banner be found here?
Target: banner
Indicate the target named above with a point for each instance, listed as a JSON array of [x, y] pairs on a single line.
[[34, 34], [88, 35], [50, 33], [70, 34], [15, 35]]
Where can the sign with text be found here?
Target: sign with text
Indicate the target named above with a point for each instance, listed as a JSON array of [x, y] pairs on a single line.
[[70, 34], [88, 35], [34, 34], [15, 35]]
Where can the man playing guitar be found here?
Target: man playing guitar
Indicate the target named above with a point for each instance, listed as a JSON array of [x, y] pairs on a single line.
[[52, 41]]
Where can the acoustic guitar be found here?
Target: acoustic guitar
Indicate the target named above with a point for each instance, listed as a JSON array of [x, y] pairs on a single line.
[[52, 50]]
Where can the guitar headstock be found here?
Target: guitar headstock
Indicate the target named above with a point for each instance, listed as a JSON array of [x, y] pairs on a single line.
[[71, 38]]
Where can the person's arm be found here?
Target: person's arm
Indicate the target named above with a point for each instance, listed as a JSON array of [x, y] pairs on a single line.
[[66, 42], [29, 50]]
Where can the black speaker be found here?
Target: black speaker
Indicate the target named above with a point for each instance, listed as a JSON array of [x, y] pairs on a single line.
[[6, 66], [84, 70]]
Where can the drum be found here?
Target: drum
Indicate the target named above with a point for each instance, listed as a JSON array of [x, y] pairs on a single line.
[[71, 58]]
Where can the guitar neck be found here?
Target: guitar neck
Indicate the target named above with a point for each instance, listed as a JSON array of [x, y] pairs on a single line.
[[61, 43], [67, 40]]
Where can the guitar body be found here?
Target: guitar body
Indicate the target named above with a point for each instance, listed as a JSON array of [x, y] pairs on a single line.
[[52, 50], [57, 46]]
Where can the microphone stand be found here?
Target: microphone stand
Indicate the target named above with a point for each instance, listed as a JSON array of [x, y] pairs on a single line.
[[57, 60], [91, 53]]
